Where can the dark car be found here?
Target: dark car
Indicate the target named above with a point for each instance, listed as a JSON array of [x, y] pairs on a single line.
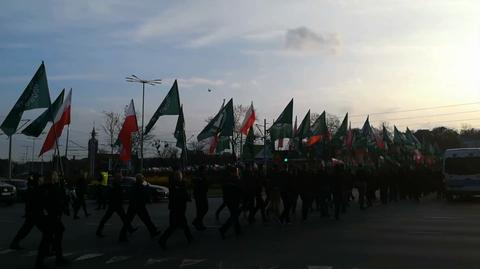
[[8, 193], [156, 193], [21, 185]]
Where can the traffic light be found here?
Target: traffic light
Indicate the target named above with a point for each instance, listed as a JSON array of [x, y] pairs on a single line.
[[285, 160]]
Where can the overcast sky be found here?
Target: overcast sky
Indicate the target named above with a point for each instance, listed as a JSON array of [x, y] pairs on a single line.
[[356, 56]]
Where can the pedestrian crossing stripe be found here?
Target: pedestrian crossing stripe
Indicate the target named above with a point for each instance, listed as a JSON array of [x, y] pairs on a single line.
[[151, 261], [188, 262], [5, 251], [118, 259], [89, 256]]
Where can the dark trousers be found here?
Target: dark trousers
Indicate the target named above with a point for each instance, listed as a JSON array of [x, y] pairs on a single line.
[[177, 220], [101, 197], [80, 203], [232, 220], [52, 236], [287, 207], [259, 205], [201, 205], [306, 204], [27, 226], [108, 214], [142, 213]]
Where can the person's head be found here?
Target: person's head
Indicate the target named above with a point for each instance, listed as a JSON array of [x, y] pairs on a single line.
[[139, 179], [118, 176]]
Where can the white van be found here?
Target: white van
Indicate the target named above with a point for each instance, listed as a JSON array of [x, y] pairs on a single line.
[[461, 170]]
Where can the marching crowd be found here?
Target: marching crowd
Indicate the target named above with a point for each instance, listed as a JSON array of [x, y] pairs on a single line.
[[269, 195]]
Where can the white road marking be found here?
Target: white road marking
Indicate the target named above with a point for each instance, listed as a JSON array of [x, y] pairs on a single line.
[[151, 261], [188, 262], [68, 254], [30, 253], [5, 251], [89, 256], [118, 259], [319, 267]]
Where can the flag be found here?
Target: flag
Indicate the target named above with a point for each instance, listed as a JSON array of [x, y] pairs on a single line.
[[169, 106], [349, 138], [222, 123], [291, 142], [35, 95], [180, 130], [249, 120], [61, 119], [249, 146], [411, 139], [282, 127], [38, 125], [367, 138], [303, 130], [341, 133], [398, 137], [125, 136], [319, 130]]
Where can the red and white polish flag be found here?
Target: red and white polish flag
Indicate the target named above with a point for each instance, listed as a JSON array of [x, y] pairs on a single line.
[[125, 136], [249, 120], [61, 119]]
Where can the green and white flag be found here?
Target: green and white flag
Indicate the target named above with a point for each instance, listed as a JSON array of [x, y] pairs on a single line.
[[222, 123], [282, 127], [38, 125], [169, 106], [180, 130], [34, 96]]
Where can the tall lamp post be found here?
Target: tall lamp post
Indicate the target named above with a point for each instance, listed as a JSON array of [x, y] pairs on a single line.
[[152, 82]]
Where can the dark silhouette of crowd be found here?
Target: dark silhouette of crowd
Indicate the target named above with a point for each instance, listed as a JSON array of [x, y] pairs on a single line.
[[271, 194]]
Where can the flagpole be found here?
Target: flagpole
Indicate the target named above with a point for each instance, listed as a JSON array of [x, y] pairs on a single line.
[[66, 148], [10, 157], [241, 145]]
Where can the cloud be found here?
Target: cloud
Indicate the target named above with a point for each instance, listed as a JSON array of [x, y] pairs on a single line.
[[304, 39], [197, 81]]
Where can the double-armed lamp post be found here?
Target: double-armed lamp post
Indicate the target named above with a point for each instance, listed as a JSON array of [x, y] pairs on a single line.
[[153, 82]]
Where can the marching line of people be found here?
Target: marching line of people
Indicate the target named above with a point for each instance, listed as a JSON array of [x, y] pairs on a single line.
[[247, 189]]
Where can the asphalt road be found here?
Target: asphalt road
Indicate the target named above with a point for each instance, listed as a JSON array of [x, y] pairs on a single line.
[[429, 234]]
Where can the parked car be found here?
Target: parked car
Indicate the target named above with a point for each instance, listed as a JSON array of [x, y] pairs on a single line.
[[8, 193], [21, 185], [156, 193]]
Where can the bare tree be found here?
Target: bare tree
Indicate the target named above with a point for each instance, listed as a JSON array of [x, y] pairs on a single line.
[[333, 122], [111, 127], [164, 149]]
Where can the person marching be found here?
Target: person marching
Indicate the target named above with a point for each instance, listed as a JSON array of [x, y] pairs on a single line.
[[137, 206], [200, 189], [115, 206], [81, 191], [33, 212], [232, 197], [177, 205], [52, 202]]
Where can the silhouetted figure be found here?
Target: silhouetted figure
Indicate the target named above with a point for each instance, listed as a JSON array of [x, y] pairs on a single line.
[[232, 197], [138, 207], [52, 199], [33, 212], [200, 190], [177, 205], [115, 205], [81, 191]]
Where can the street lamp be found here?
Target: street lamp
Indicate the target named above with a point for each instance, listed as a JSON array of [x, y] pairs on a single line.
[[152, 82]]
